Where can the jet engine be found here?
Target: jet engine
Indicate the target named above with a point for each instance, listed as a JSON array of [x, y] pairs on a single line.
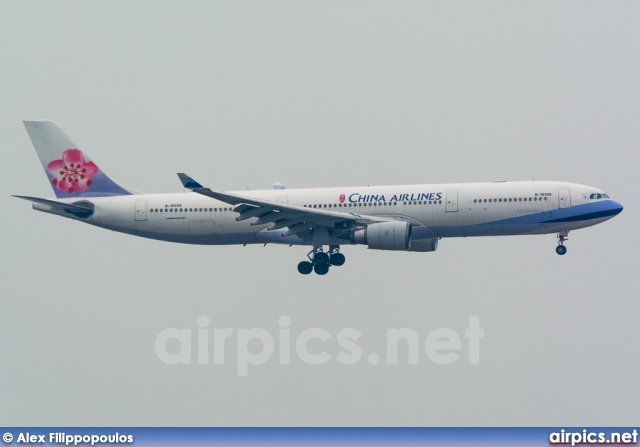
[[392, 236], [384, 236]]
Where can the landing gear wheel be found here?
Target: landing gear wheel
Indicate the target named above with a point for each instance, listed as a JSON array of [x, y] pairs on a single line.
[[561, 249], [321, 269], [337, 259], [305, 267], [321, 258], [320, 261]]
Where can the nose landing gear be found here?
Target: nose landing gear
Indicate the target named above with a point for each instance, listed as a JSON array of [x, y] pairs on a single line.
[[562, 236], [320, 261]]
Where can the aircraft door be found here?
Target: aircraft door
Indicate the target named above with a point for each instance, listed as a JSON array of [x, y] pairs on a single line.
[[141, 210], [564, 198], [452, 202]]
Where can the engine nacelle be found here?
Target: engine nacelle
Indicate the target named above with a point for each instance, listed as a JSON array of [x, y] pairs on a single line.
[[384, 236]]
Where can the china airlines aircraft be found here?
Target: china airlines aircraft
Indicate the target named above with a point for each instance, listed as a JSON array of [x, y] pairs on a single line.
[[404, 217]]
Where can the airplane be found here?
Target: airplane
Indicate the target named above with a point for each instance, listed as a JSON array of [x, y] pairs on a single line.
[[411, 218]]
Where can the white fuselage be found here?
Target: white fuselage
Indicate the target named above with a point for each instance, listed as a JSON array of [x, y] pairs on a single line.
[[437, 210]]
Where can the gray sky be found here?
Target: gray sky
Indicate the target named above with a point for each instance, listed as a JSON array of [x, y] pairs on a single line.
[[240, 94]]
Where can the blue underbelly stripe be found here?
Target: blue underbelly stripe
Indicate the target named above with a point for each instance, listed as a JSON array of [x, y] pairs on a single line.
[[577, 213], [582, 217]]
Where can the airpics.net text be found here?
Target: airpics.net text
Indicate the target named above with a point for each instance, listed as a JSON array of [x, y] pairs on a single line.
[[257, 346]]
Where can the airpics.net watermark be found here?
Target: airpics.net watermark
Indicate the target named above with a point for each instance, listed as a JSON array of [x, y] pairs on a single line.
[[257, 346]]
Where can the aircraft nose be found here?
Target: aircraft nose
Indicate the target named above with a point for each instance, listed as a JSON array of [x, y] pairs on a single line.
[[616, 207]]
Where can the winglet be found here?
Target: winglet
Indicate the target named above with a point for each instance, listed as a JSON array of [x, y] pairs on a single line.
[[188, 182]]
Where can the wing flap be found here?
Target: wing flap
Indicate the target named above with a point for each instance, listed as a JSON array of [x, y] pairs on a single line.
[[298, 229]]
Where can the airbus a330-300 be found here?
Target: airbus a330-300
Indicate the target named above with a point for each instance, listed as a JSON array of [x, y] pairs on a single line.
[[411, 218]]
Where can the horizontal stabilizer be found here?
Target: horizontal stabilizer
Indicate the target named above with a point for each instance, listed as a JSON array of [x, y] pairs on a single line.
[[80, 209]]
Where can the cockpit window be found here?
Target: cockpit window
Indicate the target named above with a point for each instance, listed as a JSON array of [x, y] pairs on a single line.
[[606, 196], [599, 196]]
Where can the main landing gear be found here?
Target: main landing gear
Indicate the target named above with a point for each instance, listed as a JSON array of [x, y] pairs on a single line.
[[563, 236], [320, 261]]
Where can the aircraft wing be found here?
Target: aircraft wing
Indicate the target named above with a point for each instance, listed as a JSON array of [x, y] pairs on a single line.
[[298, 220]]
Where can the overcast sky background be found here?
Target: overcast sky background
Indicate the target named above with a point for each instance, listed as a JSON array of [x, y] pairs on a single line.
[[314, 94]]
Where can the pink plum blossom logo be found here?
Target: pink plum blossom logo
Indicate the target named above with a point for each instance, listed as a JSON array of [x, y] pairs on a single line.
[[72, 172]]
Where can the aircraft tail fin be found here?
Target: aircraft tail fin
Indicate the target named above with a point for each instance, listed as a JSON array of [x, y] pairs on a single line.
[[69, 169]]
